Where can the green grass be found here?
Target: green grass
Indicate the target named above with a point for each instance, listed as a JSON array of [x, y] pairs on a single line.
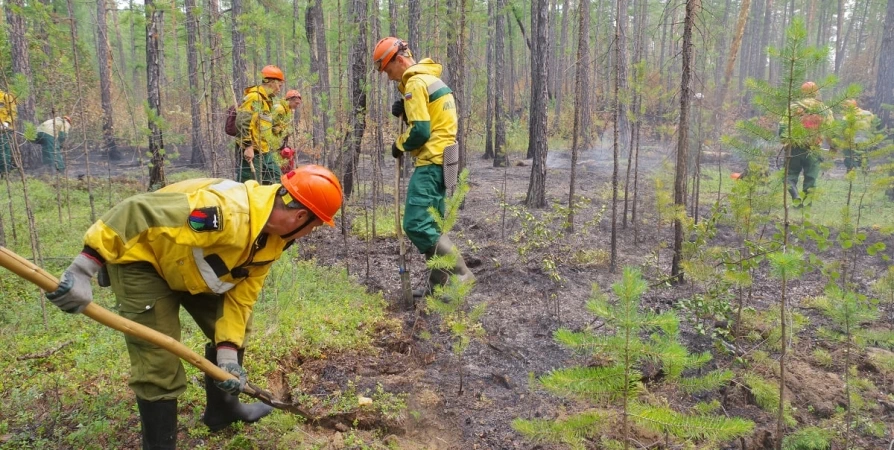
[[77, 397], [361, 225], [828, 204]]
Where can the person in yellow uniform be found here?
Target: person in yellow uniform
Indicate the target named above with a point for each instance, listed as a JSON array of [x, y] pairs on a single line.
[[856, 133], [814, 120], [429, 109], [254, 124], [283, 112], [8, 111], [51, 135], [206, 245]]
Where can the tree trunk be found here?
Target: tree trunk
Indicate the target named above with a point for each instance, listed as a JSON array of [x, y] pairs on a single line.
[[537, 143], [153, 79], [319, 68], [839, 36], [692, 7], [491, 87], [499, 93], [581, 101], [359, 70], [219, 165], [559, 69], [21, 60], [104, 59], [197, 158], [414, 11], [884, 81], [240, 82]]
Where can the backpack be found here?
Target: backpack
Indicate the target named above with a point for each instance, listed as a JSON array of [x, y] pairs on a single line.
[[230, 126]]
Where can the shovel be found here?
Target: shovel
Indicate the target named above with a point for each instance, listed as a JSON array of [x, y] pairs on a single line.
[[29, 271]]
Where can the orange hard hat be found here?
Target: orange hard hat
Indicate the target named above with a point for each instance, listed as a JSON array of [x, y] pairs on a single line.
[[315, 187], [273, 72], [809, 88], [67, 119], [735, 175], [292, 93], [850, 103], [386, 49]]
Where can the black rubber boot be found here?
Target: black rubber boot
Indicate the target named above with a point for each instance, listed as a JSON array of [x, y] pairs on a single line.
[[159, 421], [223, 409]]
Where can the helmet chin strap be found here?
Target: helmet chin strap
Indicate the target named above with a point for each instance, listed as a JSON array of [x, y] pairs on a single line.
[[310, 219]]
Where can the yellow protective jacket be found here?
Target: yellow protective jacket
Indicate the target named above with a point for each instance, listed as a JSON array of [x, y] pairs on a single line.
[[431, 113], [282, 123], [254, 119], [203, 236], [55, 126], [8, 110]]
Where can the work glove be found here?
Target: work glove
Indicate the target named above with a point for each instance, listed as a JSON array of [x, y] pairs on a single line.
[[228, 360], [287, 153], [397, 108], [395, 152], [74, 292]]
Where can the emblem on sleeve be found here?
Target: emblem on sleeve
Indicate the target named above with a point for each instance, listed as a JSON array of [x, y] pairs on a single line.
[[408, 96], [205, 219]]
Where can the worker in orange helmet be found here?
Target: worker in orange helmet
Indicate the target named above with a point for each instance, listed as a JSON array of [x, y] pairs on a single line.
[[254, 123], [205, 245], [812, 121], [283, 114], [428, 107]]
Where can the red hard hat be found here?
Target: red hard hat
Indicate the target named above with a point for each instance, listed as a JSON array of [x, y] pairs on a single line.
[[273, 72], [386, 49], [317, 188], [67, 119]]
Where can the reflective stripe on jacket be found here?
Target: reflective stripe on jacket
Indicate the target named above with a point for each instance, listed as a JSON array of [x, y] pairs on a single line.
[[202, 236], [431, 112]]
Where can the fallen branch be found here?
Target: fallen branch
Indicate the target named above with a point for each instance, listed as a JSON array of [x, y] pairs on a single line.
[[44, 353]]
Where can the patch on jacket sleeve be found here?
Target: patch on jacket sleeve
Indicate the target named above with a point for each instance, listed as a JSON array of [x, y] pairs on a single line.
[[205, 219], [408, 96]]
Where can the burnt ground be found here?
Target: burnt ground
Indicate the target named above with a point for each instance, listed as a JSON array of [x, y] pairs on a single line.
[[525, 306]]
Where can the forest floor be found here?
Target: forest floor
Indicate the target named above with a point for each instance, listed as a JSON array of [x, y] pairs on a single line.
[[469, 402]]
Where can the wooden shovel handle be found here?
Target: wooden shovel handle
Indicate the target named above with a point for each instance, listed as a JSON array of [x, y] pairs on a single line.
[[31, 272]]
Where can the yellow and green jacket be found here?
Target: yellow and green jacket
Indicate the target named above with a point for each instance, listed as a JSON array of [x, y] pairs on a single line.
[[8, 110], [282, 123], [54, 127], [431, 113], [203, 236], [254, 119], [814, 118]]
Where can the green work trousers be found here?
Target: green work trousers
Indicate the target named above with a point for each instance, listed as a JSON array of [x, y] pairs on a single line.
[[426, 189], [51, 149], [266, 168], [144, 297], [802, 161], [6, 161]]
